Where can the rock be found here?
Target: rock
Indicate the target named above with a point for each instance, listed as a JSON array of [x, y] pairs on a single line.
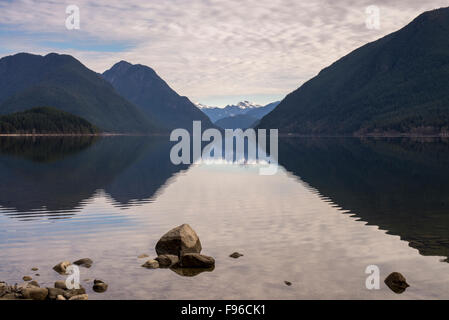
[[396, 282], [37, 275], [167, 260], [35, 293], [61, 267], [74, 292], [10, 296], [27, 278], [60, 285], [53, 293], [100, 286], [35, 283], [34, 269], [195, 260], [151, 264], [236, 255], [80, 297], [85, 262], [288, 283], [190, 272], [178, 241], [60, 297], [143, 256]]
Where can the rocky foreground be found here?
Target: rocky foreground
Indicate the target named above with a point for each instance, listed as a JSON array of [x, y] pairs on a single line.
[[179, 249]]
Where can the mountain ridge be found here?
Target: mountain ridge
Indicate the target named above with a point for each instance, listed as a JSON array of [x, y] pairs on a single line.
[[143, 87], [63, 82], [394, 85]]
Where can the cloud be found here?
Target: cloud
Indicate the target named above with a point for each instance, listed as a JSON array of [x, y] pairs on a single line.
[[206, 48]]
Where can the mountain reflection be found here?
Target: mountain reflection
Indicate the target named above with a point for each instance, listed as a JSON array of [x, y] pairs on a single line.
[[54, 176], [400, 185]]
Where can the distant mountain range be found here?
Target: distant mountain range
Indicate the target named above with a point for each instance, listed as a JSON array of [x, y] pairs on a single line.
[[242, 115], [64, 83], [217, 113], [395, 85], [141, 86]]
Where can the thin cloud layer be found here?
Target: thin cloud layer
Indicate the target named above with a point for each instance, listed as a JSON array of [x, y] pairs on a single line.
[[207, 50]]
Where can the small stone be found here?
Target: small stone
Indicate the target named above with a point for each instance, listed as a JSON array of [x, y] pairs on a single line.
[[37, 275], [80, 297], [196, 260], [288, 283], [396, 282], [143, 255], [34, 283], [27, 278], [34, 269], [35, 293], [60, 297], [167, 260], [236, 255], [60, 285], [61, 267], [151, 264], [85, 262], [100, 286]]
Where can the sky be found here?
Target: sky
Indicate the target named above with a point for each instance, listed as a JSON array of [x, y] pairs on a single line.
[[216, 52]]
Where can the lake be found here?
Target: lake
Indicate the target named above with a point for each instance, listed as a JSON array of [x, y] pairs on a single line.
[[334, 207]]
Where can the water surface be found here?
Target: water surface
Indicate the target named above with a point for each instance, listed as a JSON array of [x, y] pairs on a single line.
[[334, 207]]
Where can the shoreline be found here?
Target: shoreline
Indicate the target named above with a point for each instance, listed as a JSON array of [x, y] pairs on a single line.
[[281, 135]]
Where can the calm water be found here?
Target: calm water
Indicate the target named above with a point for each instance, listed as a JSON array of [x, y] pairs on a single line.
[[334, 207]]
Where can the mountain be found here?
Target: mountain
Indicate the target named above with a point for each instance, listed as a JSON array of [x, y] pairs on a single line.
[[241, 121], [251, 109], [397, 84], [216, 113], [45, 120], [61, 81], [259, 113], [143, 87]]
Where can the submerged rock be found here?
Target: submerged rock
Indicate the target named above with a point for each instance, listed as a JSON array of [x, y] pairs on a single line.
[[100, 286], [288, 283], [167, 260], [151, 264], [73, 292], [195, 260], [396, 282], [61, 267], [34, 283], [236, 255], [143, 255], [34, 269], [85, 262], [27, 278], [80, 297], [190, 272], [179, 241], [53, 293], [35, 293]]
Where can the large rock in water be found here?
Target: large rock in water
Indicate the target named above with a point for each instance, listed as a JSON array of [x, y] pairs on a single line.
[[179, 241]]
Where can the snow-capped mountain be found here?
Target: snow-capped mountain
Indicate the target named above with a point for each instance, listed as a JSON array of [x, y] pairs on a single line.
[[217, 113]]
